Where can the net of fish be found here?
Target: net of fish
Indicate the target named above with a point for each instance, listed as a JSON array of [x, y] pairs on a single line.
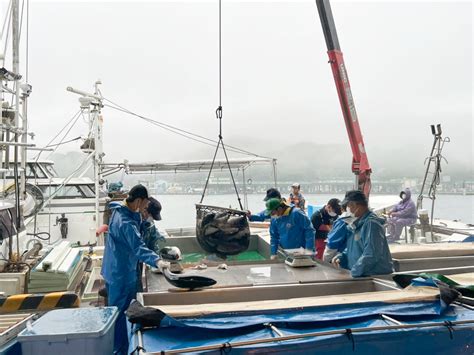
[[222, 231]]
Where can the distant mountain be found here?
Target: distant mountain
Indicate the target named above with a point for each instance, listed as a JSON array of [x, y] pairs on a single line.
[[308, 161]]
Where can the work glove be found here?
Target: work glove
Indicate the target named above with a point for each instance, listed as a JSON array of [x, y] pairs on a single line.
[[161, 264]]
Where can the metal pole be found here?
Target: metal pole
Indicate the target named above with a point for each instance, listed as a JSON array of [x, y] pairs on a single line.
[[16, 144], [24, 138], [246, 204], [419, 202], [16, 68], [274, 164], [97, 151]]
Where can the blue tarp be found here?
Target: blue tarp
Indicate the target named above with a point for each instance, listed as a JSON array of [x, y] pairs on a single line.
[[319, 314], [434, 340], [224, 328]]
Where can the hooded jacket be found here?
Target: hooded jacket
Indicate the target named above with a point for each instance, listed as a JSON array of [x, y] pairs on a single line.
[[291, 231], [151, 236], [367, 251], [124, 247], [337, 237], [406, 208]]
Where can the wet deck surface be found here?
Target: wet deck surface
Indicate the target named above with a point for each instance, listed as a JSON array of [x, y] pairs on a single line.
[[263, 274]]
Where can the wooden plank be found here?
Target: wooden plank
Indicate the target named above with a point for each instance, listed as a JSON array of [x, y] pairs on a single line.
[[409, 294], [404, 251], [463, 279]]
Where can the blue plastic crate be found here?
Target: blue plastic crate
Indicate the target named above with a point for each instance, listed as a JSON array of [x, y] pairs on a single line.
[[74, 331], [310, 209]]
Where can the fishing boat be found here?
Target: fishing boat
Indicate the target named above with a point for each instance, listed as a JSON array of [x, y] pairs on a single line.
[[220, 303]]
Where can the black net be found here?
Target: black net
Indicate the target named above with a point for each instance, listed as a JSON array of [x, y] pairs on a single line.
[[222, 231]]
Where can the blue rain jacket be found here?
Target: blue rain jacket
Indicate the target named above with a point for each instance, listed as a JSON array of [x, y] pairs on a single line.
[[259, 217], [124, 247], [337, 237], [291, 231], [152, 238], [367, 251]]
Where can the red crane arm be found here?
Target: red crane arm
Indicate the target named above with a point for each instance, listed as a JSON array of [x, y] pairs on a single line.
[[360, 162]]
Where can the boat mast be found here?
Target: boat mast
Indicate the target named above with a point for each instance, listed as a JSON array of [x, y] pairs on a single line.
[[97, 119], [91, 104]]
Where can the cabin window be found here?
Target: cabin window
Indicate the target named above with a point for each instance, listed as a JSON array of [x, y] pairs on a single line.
[[30, 172], [68, 191], [50, 170], [88, 191]]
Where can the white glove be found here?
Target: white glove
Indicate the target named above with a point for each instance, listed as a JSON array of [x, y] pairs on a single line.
[[273, 257], [161, 264]]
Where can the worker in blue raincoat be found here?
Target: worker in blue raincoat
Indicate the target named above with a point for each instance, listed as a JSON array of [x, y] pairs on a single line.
[[338, 236], [124, 247], [263, 216], [290, 227], [367, 251]]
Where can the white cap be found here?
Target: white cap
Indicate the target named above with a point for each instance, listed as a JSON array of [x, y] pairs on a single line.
[[296, 185]]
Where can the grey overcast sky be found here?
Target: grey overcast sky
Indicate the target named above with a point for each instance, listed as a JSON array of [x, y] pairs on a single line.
[[409, 63]]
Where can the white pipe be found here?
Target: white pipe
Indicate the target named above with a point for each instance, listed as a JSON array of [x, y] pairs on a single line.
[[83, 93]]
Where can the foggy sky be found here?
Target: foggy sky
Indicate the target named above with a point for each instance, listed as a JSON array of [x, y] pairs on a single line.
[[409, 64]]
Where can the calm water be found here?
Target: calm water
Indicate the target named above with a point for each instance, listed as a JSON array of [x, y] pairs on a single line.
[[180, 210]]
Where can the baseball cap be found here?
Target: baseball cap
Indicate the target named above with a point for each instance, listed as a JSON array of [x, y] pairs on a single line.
[[154, 208], [296, 185], [272, 193], [354, 196], [272, 204]]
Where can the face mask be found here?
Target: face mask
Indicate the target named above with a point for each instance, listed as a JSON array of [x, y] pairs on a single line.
[[150, 219], [351, 212], [345, 214], [332, 214]]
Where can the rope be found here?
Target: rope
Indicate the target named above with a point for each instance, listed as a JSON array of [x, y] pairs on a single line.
[[209, 174], [226, 348], [181, 132], [69, 141], [8, 14], [65, 135], [450, 326], [161, 125], [220, 57], [56, 136], [219, 117], [351, 337], [59, 187], [21, 19]]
